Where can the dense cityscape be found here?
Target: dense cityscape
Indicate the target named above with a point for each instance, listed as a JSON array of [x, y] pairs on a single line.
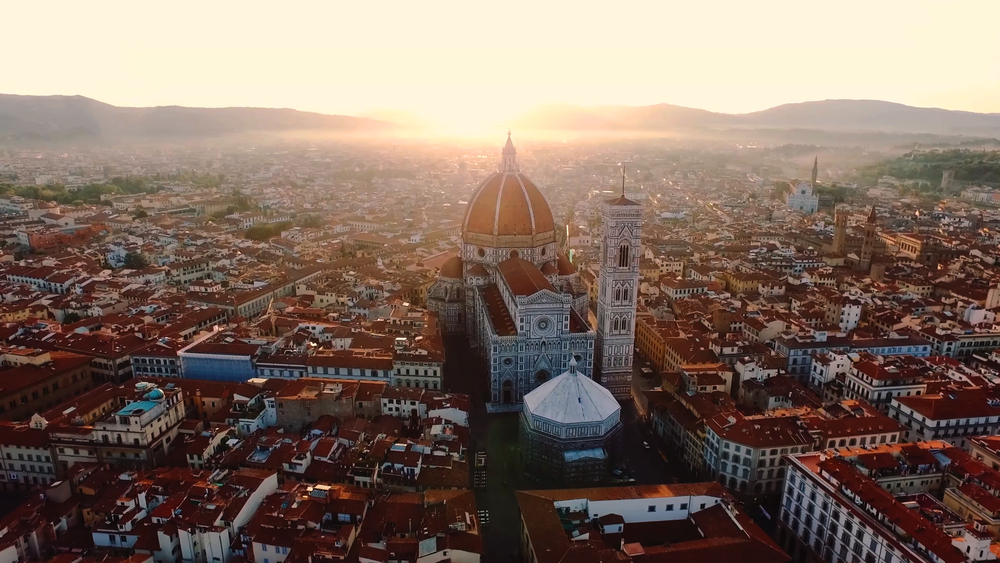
[[419, 352]]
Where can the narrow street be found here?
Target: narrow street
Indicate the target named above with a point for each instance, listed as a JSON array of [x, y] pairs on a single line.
[[497, 436]]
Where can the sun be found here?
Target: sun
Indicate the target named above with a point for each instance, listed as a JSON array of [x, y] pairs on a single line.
[[466, 113], [465, 120]]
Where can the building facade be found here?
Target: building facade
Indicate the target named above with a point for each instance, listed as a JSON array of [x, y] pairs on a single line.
[[517, 299], [832, 511], [802, 199]]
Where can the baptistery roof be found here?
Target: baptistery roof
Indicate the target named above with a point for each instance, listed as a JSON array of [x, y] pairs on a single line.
[[571, 398]]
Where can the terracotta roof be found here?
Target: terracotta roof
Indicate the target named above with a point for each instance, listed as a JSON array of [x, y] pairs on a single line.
[[508, 205], [621, 200], [964, 403], [981, 497], [452, 268], [712, 534], [929, 536], [523, 277], [503, 324], [565, 266]]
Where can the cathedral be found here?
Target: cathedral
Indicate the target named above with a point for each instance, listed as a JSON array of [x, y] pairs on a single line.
[[514, 295]]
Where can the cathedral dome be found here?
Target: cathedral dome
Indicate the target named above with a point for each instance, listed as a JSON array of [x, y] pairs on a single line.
[[508, 205]]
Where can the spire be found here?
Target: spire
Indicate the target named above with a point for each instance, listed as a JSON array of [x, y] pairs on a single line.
[[572, 365], [508, 160], [623, 179], [815, 172], [872, 216]]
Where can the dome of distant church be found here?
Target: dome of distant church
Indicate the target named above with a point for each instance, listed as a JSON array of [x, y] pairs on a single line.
[[508, 204]]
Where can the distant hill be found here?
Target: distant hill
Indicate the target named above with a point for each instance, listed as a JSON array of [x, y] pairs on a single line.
[[55, 118], [826, 115], [74, 117]]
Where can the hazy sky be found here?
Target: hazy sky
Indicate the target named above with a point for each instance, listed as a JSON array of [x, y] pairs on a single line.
[[468, 63]]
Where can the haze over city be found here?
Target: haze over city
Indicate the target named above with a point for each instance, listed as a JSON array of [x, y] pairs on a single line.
[[510, 282], [471, 67]]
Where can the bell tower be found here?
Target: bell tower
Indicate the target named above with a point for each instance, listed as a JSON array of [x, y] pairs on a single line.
[[840, 231], [621, 246], [868, 245]]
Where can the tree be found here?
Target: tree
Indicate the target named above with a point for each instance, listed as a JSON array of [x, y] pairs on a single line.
[[264, 231], [71, 317], [781, 189], [135, 261], [140, 214], [312, 221]]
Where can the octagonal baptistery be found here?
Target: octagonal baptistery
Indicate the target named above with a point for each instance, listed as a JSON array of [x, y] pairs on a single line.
[[570, 430], [506, 214]]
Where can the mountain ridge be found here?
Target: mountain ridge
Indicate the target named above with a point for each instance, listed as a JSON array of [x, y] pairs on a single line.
[[826, 115], [62, 117]]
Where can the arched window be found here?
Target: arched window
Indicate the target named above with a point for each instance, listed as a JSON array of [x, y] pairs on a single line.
[[623, 256], [618, 293], [625, 296]]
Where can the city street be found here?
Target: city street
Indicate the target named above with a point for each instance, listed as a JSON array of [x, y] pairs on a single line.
[[497, 435]]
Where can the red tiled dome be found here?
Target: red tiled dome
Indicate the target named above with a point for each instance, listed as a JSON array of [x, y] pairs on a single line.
[[565, 266], [452, 268], [508, 204]]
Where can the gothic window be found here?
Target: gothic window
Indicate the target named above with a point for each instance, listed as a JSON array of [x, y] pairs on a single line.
[[625, 296], [623, 256]]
